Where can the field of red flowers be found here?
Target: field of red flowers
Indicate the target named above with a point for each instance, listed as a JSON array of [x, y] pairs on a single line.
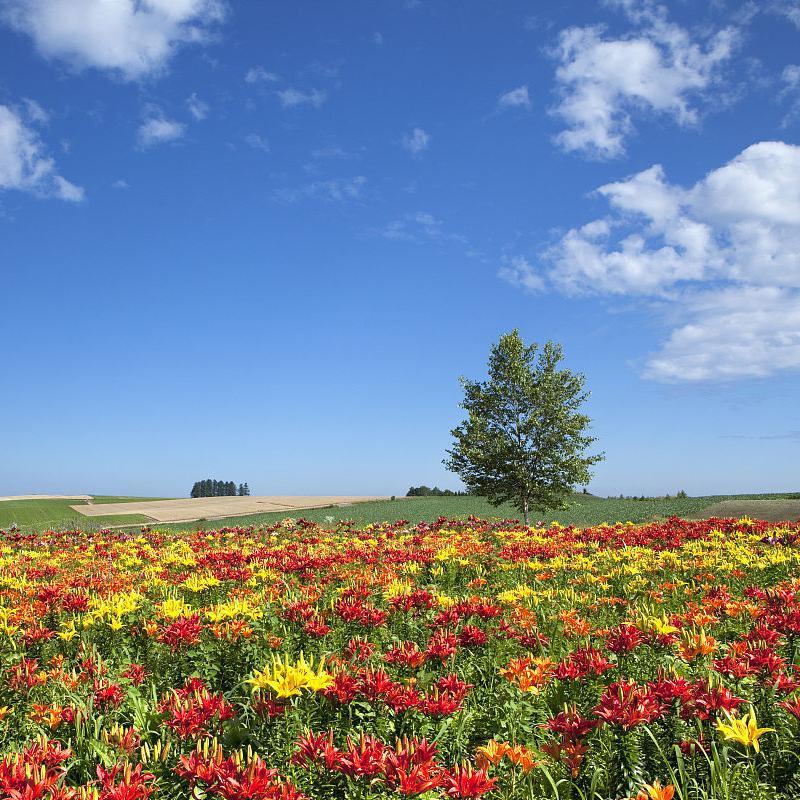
[[457, 659]]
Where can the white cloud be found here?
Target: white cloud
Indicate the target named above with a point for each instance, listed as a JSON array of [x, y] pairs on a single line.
[[738, 332], [534, 23], [120, 184], [658, 68], [290, 98], [329, 191], [790, 78], [518, 271], [257, 142], [25, 164], [377, 38], [789, 9], [416, 141], [197, 108], [515, 98], [418, 227], [711, 252], [35, 112], [413, 227], [157, 130], [258, 74], [331, 151], [133, 38], [324, 69]]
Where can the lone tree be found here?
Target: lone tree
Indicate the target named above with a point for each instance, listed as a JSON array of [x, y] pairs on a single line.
[[524, 439]]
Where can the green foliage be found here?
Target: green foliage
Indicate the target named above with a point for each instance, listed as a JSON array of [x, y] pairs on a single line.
[[58, 514], [524, 439], [211, 487], [581, 509], [427, 491], [626, 762]]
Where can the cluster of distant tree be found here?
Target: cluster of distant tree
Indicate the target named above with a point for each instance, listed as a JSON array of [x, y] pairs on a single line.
[[681, 495], [214, 488], [427, 491]]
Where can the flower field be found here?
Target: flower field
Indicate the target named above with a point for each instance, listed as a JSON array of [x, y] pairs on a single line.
[[456, 659]]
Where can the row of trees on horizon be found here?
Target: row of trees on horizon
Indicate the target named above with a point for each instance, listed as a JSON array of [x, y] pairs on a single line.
[[427, 491], [210, 487]]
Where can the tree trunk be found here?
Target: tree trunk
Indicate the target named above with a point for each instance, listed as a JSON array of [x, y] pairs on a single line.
[[525, 510]]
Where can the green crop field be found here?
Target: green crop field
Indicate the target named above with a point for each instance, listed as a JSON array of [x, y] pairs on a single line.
[[583, 510], [41, 514]]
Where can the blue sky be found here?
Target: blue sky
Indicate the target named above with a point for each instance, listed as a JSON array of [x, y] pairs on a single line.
[[261, 241]]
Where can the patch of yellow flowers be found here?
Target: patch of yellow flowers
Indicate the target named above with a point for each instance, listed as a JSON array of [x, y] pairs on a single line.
[[288, 680]]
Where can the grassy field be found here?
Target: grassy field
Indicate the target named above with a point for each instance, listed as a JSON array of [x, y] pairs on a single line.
[[582, 510], [40, 514]]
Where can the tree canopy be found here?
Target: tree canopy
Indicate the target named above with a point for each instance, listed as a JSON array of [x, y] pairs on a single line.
[[210, 487], [524, 440]]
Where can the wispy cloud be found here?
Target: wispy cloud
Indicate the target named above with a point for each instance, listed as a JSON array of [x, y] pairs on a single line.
[[291, 98], [790, 93], [515, 98], [320, 155], [419, 226], [412, 227], [519, 272], [25, 164], [197, 108], [329, 191], [416, 141], [157, 129], [329, 70], [787, 8], [257, 142], [331, 151], [258, 74], [35, 112]]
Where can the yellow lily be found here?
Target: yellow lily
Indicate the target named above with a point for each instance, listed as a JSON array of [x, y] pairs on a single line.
[[745, 730], [660, 625], [173, 607], [68, 632], [287, 680]]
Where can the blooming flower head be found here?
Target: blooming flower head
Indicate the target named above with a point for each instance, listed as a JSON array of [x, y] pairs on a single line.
[[627, 704], [656, 791], [465, 781], [661, 626], [288, 680], [490, 753], [744, 730]]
